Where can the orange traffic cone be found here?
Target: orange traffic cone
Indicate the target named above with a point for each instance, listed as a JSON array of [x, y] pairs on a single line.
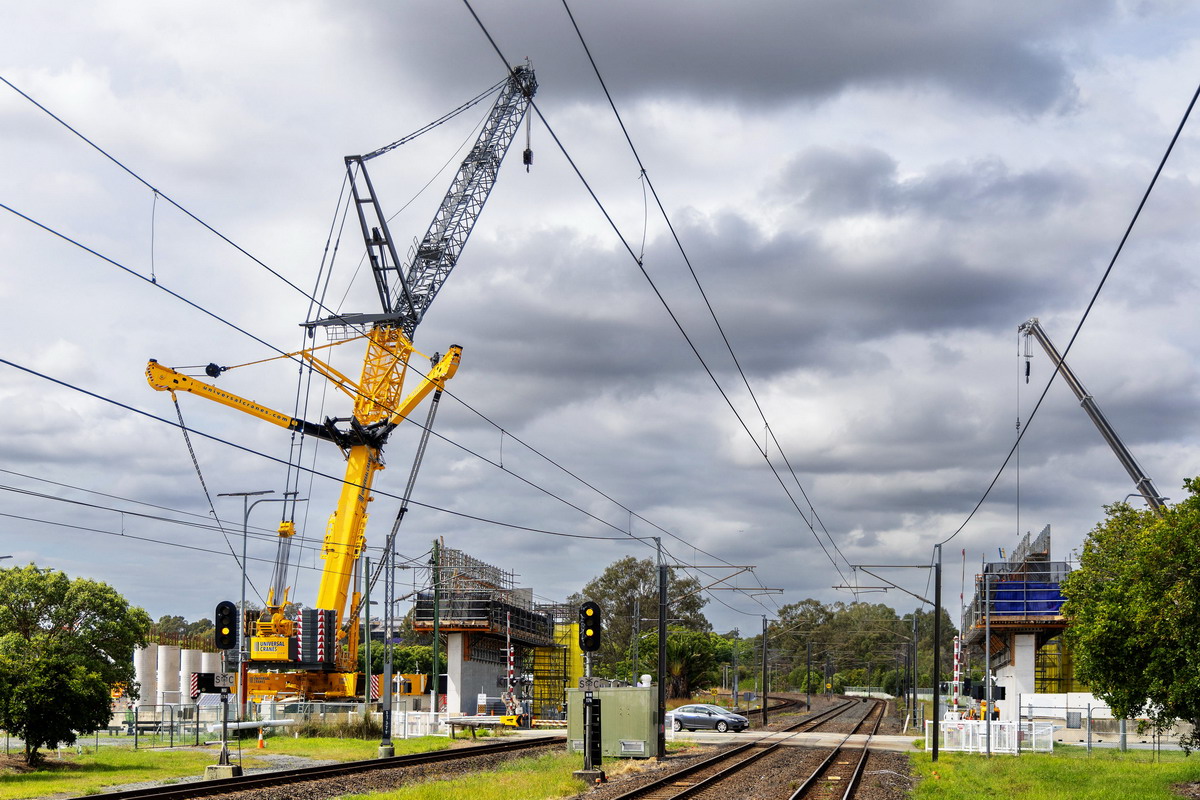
[[261, 745]]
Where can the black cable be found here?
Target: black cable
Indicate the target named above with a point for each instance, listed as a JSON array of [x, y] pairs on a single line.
[[276, 459], [310, 297], [704, 295], [654, 287], [1088, 310]]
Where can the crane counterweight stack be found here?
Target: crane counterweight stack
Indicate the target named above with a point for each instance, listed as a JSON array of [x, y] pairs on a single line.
[[318, 650]]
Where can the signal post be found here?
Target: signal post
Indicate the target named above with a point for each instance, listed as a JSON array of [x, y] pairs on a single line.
[[589, 642]]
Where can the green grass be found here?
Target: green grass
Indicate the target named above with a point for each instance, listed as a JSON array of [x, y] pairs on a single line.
[[93, 772], [343, 749], [536, 778], [115, 765], [1066, 774]]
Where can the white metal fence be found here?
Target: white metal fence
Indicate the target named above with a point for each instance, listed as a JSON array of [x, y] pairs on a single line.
[[971, 736]]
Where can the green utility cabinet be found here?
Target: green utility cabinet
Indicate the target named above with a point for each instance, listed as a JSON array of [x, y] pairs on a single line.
[[628, 721]]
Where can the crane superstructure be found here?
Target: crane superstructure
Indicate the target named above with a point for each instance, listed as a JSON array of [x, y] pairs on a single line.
[[320, 648], [1145, 486]]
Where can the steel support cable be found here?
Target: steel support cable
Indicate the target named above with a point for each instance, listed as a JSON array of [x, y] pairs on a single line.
[[212, 508], [205, 225], [654, 287], [189, 214], [312, 471], [276, 459], [648, 182], [1087, 310]]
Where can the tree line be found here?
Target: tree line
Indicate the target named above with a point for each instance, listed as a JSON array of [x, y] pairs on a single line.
[[1133, 606]]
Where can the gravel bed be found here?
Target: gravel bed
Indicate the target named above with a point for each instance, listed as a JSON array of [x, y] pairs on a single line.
[[383, 780], [885, 777]]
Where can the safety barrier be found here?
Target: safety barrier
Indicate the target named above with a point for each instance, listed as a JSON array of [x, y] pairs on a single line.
[[971, 736]]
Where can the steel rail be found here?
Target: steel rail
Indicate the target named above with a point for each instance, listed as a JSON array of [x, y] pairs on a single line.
[[671, 782], [856, 773], [260, 780]]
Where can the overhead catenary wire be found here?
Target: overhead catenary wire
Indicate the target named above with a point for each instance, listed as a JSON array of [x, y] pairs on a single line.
[[130, 271], [654, 287], [1086, 311], [67, 385], [647, 182], [195, 218]]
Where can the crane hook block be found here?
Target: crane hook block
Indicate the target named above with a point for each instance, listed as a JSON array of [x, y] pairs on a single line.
[[214, 371], [527, 158]]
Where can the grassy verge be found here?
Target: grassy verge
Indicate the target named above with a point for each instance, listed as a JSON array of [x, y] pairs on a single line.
[[342, 749], [1067, 773], [114, 765], [536, 778]]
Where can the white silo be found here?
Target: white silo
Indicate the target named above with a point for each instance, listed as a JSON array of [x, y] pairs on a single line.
[[210, 662], [145, 672], [168, 674], [189, 662]]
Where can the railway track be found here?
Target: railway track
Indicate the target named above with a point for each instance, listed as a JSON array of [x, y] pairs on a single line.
[[710, 772], [296, 777], [839, 774]]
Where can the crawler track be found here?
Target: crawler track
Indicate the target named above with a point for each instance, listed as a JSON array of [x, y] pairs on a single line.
[[295, 778]]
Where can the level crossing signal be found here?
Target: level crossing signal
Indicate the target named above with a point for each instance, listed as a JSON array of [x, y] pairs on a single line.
[[589, 627], [226, 625]]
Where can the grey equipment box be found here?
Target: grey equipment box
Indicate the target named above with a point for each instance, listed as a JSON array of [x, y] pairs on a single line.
[[628, 721]]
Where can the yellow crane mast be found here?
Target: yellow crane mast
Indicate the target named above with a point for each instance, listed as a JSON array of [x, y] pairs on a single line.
[[318, 651]]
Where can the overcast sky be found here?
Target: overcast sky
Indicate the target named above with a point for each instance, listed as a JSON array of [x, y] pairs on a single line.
[[873, 197]]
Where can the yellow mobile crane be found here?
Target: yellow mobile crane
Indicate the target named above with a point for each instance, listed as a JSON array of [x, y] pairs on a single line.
[[318, 651]]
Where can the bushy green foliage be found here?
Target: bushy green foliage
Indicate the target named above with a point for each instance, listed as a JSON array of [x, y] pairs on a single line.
[[621, 584], [1134, 606], [63, 644]]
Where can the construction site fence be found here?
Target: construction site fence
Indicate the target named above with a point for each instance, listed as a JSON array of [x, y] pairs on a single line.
[[1006, 737]]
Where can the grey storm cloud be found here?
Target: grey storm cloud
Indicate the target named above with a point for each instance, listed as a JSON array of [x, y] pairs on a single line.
[[829, 183], [770, 51]]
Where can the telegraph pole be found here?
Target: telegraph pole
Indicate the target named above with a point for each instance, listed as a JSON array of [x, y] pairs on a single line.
[[662, 652], [764, 657]]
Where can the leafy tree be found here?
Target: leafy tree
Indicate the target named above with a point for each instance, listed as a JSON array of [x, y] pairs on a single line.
[[63, 644], [1134, 604], [693, 658], [406, 659], [171, 626], [628, 585]]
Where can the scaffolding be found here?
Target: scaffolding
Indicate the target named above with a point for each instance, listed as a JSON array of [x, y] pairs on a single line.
[[1054, 669], [556, 667], [478, 598], [1021, 594]]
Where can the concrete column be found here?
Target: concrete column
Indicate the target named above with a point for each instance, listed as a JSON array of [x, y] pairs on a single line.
[[1018, 677], [455, 691]]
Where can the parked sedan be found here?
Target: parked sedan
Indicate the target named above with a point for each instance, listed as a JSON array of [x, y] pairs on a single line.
[[703, 715]]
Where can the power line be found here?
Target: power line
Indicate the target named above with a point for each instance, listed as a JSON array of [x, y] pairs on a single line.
[[654, 287], [711, 311], [310, 297], [1086, 312]]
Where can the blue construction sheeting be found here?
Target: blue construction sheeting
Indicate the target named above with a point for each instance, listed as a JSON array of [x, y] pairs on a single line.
[[1026, 599]]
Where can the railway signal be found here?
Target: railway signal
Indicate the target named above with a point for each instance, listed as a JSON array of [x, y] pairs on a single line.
[[589, 627], [226, 625]]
